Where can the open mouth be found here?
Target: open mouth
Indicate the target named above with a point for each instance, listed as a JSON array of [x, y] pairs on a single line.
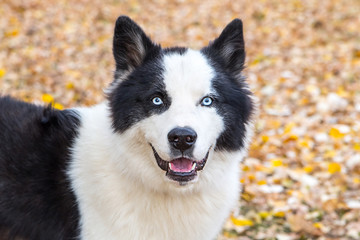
[[180, 169]]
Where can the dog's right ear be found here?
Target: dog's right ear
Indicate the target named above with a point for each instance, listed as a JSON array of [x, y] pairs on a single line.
[[130, 45]]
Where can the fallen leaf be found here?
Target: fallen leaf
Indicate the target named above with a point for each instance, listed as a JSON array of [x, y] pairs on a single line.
[[334, 167], [241, 222]]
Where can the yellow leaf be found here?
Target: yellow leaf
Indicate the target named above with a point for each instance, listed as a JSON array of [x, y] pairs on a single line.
[[247, 196], [264, 215], [289, 127], [304, 101], [241, 222], [261, 182], [335, 133], [276, 162], [308, 169], [342, 92], [330, 154], [357, 147], [292, 137], [251, 177], [318, 225], [279, 214], [58, 106], [356, 180], [2, 72], [245, 168], [303, 144], [334, 167], [290, 192], [47, 98], [265, 138], [12, 33], [69, 85]]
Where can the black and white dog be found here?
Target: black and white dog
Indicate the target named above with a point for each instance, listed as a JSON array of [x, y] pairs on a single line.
[[157, 160]]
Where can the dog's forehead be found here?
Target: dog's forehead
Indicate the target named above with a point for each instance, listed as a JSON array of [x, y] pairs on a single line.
[[187, 73]]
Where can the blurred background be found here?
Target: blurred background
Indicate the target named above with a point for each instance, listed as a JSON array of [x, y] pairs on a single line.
[[302, 177]]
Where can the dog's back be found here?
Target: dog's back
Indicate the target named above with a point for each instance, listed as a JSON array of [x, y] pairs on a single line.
[[35, 193]]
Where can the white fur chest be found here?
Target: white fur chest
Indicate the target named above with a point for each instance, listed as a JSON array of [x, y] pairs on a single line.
[[156, 217], [112, 206]]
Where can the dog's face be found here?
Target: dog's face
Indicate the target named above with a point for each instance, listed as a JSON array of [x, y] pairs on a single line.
[[179, 106]]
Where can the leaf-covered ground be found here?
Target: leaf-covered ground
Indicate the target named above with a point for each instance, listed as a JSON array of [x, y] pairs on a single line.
[[302, 176]]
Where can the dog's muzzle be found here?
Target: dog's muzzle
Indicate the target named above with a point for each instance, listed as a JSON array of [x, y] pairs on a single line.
[[182, 169]]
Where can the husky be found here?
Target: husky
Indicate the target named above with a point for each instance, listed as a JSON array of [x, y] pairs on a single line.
[[158, 159]]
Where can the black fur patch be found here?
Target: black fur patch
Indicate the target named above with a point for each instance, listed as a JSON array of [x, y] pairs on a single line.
[[36, 200], [136, 55], [226, 55], [234, 104], [131, 101]]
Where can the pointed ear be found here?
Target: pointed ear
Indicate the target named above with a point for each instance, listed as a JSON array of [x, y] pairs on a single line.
[[130, 45], [230, 46]]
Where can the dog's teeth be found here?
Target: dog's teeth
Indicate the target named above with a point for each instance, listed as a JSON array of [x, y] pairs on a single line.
[[193, 166], [170, 166]]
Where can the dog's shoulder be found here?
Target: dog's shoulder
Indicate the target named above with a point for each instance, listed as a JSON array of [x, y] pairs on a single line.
[[26, 127], [35, 143]]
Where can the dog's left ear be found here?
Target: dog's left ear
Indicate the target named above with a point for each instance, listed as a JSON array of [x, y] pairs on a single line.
[[230, 46], [130, 45]]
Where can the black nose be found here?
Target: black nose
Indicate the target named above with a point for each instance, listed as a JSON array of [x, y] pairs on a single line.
[[182, 138]]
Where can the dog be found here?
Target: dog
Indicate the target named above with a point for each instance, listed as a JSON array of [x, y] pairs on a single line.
[[158, 159]]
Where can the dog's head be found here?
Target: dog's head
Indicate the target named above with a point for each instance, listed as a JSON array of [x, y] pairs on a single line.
[[177, 106]]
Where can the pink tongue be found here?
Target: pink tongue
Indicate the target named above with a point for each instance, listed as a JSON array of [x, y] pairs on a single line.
[[181, 165]]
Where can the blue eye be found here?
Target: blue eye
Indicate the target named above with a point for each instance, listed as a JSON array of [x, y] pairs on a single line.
[[157, 101], [206, 101]]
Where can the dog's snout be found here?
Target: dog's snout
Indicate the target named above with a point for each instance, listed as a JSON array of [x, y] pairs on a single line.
[[182, 138]]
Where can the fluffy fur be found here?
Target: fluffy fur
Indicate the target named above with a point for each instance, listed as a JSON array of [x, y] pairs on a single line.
[[113, 171]]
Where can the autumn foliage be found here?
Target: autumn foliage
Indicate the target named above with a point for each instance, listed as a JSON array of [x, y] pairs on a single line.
[[302, 177]]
